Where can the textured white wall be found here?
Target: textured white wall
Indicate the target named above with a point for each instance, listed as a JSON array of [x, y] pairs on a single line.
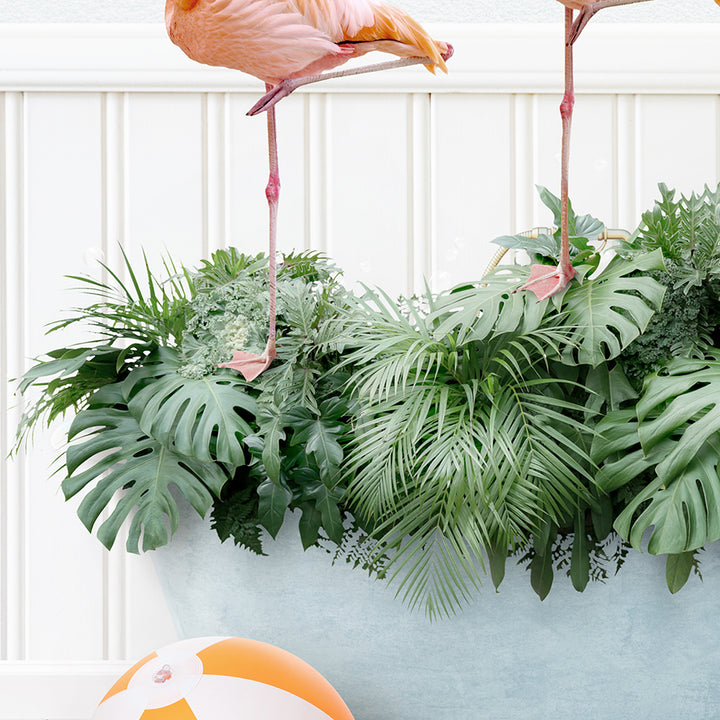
[[477, 11]]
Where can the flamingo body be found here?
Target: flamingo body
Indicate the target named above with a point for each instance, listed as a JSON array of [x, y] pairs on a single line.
[[275, 40]]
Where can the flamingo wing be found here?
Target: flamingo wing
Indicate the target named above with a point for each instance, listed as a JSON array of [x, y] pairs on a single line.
[[265, 38], [372, 25], [279, 39]]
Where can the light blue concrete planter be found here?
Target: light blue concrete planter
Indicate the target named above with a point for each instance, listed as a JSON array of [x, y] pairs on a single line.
[[627, 649]]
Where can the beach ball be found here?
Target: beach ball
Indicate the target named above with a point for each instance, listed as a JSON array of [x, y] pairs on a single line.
[[222, 679]]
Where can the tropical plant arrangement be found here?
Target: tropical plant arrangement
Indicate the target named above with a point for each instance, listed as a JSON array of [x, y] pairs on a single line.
[[427, 439], [153, 410]]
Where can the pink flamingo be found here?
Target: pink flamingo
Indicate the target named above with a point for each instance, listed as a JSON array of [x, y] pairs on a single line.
[[547, 281], [286, 44]]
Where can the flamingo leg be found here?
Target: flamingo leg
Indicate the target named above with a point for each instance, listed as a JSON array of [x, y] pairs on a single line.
[[285, 87], [587, 12], [252, 364], [545, 281]]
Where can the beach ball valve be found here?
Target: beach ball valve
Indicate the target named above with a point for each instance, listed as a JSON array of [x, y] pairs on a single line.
[[222, 678]]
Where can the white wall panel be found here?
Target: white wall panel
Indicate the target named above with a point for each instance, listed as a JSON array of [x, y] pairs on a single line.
[[63, 219], [110, 136], [164, 183], [474, 193], [592, 155], [247, 174], [367, 188], [13, 475], [677, 143]]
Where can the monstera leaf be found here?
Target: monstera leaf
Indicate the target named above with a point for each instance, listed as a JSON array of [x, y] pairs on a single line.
[[676, 432], [684, 514], [611, 309], [115, 455], [492, 307], [685, 397], [200, 417]]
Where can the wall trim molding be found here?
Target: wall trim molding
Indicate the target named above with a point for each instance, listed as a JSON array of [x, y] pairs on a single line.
[[657, 59]]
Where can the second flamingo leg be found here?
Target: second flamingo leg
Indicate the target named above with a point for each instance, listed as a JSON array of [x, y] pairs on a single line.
[[252, 364], [545, 281], [272, 193], [284, 88], [589, 10]]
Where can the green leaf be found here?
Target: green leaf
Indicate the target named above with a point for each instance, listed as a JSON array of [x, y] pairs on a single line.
[[271, 429], [684, 399], [610, 386], [677, 570], [66, 361], [310, 524], [602, 513], [274, 501], [616, 449], [122, 462], [685, 514], [587, 226], [541, 245], [327, 503], [492, 307], [497, 558], [679, 429], [320, 438], [552, 203], [541, 574], [580, 557], [611, 309], [200, 418]]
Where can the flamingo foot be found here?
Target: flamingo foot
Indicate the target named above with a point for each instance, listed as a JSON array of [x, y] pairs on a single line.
[[252, 364], [273, 96], [546, 281], [583, 18]]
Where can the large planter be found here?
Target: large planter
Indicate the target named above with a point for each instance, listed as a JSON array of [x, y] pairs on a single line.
[[626, 649]]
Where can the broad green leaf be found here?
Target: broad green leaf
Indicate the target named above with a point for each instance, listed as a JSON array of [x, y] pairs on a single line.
[[544, 537], [611, 388], [684, 514], [580, 556], [541, 574], [542, 245], [327, 503], [677, 570], [274, 501], [272, 431], [65, 361], [587, 226], [611, 309], [617, 451], [121, 462], [541, 566], [497, 559], [679, 430], [491, 307], [200, 417], [319, 437], [602, 513], [683, 399], [309, 525]]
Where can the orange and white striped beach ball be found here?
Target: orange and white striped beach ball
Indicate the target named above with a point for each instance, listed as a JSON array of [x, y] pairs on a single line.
[[222, 679]]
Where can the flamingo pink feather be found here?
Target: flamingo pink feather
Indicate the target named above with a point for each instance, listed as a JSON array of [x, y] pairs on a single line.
[[276, 40]]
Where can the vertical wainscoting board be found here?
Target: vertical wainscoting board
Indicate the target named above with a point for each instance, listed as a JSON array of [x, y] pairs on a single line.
[[110, 138]]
